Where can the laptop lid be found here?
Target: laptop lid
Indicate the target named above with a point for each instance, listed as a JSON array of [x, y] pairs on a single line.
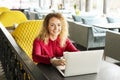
[[83, 62]]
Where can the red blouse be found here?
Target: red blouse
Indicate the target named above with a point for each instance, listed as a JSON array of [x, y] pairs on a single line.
[[43, 52]]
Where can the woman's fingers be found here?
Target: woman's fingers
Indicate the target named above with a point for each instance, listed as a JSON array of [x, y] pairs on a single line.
[[62, 62], [58, 62]]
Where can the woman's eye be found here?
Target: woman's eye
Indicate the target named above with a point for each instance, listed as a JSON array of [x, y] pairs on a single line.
[[59, 25], [52, 25]]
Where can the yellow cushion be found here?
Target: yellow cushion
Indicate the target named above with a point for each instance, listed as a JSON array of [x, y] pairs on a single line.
[[10, 18], [4, 9], [25, 34]]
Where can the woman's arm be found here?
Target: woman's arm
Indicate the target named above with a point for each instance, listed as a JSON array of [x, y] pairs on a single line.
[[38, 55]]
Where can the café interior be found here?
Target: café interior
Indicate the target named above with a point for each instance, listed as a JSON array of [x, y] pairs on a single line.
[[94, 25]]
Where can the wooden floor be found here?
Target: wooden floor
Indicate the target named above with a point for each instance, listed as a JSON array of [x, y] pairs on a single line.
[[2, 75]]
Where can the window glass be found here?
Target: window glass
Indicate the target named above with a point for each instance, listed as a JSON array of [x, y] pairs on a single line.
[[19, 4], [112, 6]]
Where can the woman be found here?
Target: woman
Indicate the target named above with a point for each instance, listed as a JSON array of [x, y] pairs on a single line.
[[52, 41]]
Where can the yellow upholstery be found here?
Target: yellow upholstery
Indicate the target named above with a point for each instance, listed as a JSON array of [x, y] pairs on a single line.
[[4, 9], [10, 18], [25, 34]]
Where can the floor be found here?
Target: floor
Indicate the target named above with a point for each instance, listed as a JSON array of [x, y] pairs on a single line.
[[81, 48]]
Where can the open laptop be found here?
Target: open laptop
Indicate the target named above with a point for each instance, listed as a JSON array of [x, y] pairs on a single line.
[[80, 63]]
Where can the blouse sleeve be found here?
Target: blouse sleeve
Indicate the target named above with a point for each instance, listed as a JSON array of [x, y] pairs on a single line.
[[70, 47], [37, 54]]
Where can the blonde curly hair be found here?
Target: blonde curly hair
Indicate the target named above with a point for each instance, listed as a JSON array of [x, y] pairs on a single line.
[[44, 33]]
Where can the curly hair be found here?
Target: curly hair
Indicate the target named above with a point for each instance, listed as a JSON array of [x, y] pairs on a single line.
[[44, 33]]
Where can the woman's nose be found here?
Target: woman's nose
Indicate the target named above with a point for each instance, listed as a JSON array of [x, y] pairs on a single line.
[[56, 27]]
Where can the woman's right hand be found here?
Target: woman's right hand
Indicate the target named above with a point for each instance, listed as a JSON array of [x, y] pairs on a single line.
[[57, 62]]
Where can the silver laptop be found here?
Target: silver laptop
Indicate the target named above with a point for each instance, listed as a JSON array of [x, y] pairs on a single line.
[[80, 63]]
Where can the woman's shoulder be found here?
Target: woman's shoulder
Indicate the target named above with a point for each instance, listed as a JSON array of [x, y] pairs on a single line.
[[68, 40]]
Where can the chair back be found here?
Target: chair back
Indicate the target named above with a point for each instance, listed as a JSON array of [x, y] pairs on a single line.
[[10, 18], [25, 34], [112, 45], [4, 9]]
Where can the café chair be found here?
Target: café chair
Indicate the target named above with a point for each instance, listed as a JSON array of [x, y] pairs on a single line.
[[4, 9], [25, 33], [9, 18], [112, 46]]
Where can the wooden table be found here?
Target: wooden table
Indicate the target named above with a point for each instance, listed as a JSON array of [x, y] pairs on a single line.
[[108, 71]]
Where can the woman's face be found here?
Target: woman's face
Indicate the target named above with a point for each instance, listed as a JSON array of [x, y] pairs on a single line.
[[54, 27]]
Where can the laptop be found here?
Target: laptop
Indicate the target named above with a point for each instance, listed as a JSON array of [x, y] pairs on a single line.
[[81, 63]]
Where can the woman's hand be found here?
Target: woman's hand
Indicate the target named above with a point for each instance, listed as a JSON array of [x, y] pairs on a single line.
[[57, 62]]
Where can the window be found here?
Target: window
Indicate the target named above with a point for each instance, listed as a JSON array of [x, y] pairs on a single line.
[[19, 4], [112, 6]]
